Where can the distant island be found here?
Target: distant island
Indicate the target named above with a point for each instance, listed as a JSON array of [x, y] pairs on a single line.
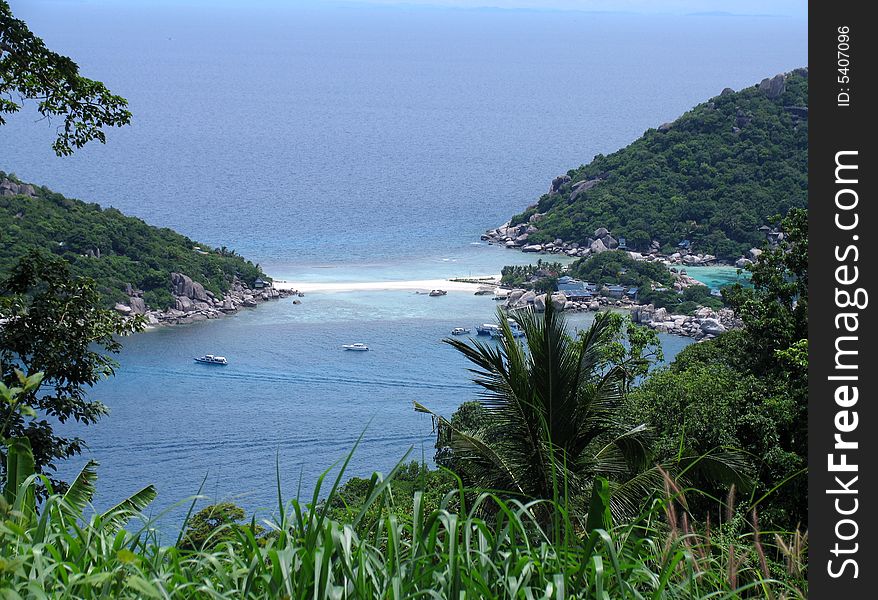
[[139, 268], [708, 183]]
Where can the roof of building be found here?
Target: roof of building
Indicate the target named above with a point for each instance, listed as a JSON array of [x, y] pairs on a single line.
[[573, 286]]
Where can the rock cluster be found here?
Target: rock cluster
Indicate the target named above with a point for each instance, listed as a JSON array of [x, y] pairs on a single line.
[[519, 298], [692, 260], [773, 87], [524, 298], [193, 303], [11, 188], [517, 236], [705, 324]]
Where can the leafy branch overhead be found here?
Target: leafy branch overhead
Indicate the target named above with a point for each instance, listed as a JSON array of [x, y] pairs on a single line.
[[30, 71]]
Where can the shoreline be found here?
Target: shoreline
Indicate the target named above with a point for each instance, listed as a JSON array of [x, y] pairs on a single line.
[[414, 285], [194, 304]]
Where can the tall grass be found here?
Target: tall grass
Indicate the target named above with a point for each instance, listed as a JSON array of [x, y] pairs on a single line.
[[451, 551]]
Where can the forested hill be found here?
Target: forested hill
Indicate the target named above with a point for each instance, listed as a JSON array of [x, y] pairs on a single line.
[[116, 250], [714, 176]]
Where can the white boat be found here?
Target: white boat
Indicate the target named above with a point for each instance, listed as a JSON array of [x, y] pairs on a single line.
[[460, 331], [210, 359], [358, 347], [487, 328], [495, 330], [516, 332]]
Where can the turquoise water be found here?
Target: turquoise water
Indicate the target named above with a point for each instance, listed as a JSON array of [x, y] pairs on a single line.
[[344, 144], [718, 277]]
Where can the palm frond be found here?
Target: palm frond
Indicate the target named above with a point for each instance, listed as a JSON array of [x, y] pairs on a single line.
[[81, 490], [116, 517]]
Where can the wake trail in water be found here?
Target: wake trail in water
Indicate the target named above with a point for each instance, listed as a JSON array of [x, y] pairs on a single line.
[[299, 379]]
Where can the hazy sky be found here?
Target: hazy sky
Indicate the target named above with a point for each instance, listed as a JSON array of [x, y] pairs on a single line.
[[796, 8], [789, 8]]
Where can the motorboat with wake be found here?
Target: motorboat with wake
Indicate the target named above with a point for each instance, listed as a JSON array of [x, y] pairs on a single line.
[[211, 359], [357, 347]]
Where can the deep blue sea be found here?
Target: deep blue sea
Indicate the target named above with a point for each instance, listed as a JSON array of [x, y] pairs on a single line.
[[344, 144]]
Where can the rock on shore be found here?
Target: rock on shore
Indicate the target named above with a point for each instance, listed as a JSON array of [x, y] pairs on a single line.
[[193, 303], [517, 237], [706, 323], [520, 298]]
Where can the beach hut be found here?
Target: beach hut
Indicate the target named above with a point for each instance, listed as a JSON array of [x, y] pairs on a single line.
[[615, 291], [574, 289]]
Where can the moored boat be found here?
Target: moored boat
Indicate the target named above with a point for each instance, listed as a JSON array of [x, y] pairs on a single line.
[[460, 331], [516, 332], [438, 292], [495, 330], [487, 328]]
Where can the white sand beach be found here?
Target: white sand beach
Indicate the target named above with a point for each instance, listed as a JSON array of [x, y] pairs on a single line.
[[418, 285]]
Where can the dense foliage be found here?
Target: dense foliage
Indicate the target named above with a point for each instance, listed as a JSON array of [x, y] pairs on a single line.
[[113, 249], [684, 302], [551, 416], [442, 551], [408, 479], [29, 70], [53, 323], [748, 388], [216, 525], [714, 177], [617, 267], [542, 276]]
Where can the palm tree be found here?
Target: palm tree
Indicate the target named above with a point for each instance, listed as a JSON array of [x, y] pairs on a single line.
[[551, 416]]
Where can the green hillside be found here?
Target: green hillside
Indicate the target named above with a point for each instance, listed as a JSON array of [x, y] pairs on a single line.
[[713, 176], [114, 249]]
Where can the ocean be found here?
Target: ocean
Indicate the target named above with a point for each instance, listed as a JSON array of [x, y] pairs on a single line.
[[344, 143]]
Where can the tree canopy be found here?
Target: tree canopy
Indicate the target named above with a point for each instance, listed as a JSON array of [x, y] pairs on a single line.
[[749, 388], [30, 71], [51, 322], [714, 176], [111, 248]]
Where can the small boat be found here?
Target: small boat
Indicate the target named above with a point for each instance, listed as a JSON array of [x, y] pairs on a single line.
[[210, 359], [494, 330], [358, 347], [487, 328], [460, 331], [438, 292], [516, 332]]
